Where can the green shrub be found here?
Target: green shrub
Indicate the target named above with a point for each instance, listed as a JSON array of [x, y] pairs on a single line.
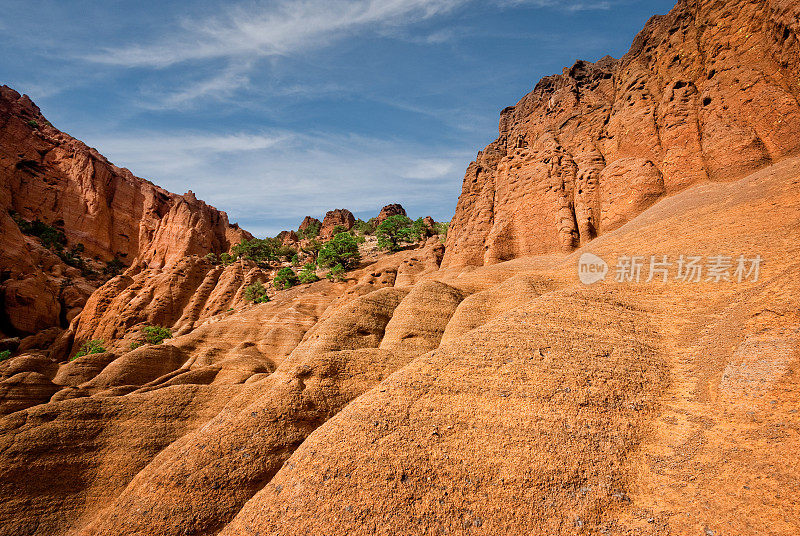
[[259, 250], [5, 354], [285, 279], [95, 346], [33, 123], [113, 267], [156, 334], [312, 231], [336, 273], [135, 345], [441, 229], [365, 228], [308, 274], [50, 237], [341, 249], [286, 252], [393, 231], [226, 259], [255, 293], [295, 259], [398, 229], [72, 257], [312, 248], [212, 258]]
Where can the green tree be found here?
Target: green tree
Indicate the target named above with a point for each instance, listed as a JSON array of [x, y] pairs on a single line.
[[259, 250], [95, 346], [226, 259], [393, 231], [312, 231], [341, 249], [286, 252], [336, 273], [285, 279], [256, 293], [156, 334], [365, 228], [312, 248], [308, 274]]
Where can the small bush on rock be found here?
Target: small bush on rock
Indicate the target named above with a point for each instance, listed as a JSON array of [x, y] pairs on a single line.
[[95, 346], [255, 293], [336, 273], [308, 274], [285, 279], [156, 334], [341, 249], [5, 354], [312, 231]]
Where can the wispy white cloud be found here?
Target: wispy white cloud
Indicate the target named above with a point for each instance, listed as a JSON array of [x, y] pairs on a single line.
[[246, 173], [281, 29], [220, 86], [571, 6], [286, 27]]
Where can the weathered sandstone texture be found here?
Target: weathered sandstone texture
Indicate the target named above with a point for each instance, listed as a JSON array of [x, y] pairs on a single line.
[[395, 209], [341, 217], [49, 176], [709, 92], [418, 399]]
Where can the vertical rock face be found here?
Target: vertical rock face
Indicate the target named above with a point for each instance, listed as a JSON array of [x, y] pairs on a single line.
[[341, 217], [709, 92], [49, 176]]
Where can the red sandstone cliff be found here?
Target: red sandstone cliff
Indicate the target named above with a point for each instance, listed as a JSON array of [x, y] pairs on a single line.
[[709, 92], [49, 176]]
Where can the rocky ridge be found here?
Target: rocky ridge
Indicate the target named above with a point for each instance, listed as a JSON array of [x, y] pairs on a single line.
[[708, 92], [52, 178], [426, 396]]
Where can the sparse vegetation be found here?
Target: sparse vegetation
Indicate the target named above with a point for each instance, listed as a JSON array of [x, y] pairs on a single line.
[[285, 279], [5, 354], [50, 237], [295, 259], [440, 228], [286, 253], [226, 259], [365, 227], [255, 293], [113, 267], [94, 346], [312, 248], [259, 250], [336, 273], [212, 258], [312, 231], [156, 334], [399, 229], [33, 123], [308, 274], [341, 249], [135, 345]]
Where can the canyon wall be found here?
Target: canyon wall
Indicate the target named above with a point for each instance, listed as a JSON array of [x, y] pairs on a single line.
[[51, 177], [709, 92]]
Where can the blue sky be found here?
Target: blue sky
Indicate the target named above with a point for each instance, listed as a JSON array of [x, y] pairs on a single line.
[[274, 110]]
